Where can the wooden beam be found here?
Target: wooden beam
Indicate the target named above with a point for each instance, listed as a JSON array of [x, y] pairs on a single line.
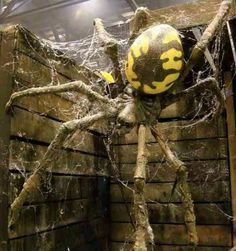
[[230, 110]]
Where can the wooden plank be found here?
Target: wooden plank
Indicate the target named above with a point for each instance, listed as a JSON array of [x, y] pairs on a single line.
[[62, 107], [45, 217], [70, 237], [203, 171], [25, 157], [218, 191], [231, 120], [186, 150], [39, 128], [31, 45], [207, 213], [116, 246], [54, 189], [178, 110], [89, 186], [179, 130], [173, 234], [57, 188], [34, 74], [101, 244], [50, 105], [185, 15], [30, 73], [7, 68]]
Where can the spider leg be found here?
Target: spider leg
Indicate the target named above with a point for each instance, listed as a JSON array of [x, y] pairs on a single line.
[[138, 22], [207, 36], [143, 232], [182, 176], [32, 185], [78, 86], [209, 84], [111, 49]]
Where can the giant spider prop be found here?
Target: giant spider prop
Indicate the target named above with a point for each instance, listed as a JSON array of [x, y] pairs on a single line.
[[154, 64]]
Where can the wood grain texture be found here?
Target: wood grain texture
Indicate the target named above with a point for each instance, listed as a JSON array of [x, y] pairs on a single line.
[[167, 234], [160, 192], [116, 246], [68, 210], [199, 171], [7, 69], [46, 217], [71, 236], [36, 74], [58, 187], [26, 156], [202, 149], [231, 119], [39, 128], [180, 130], [207, 213], [32, 46]]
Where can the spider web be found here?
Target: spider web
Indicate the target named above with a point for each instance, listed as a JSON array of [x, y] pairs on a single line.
[[88, 52]]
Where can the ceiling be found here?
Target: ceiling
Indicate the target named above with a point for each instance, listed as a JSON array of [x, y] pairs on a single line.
[[68, 20]]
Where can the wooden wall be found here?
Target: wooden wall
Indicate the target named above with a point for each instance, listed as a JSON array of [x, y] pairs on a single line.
[[69, 211], [204, 150]]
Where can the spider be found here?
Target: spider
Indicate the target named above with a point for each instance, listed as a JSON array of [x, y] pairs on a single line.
[[154, 65]]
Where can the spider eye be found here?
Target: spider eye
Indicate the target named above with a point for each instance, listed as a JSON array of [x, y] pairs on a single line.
[[155, 60]]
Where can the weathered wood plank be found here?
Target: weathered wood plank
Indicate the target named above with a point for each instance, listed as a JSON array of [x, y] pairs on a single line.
[[45, 217], [71, 236], [34, 74], [116, 246], [173, 234], [31, 45], [30, 73], [6, 71], [62, 106], [218, 191], [180, 109], [100, 244], [95, 186], [57, 188], [50, 105], [186, 150], [179, 130], [204, 171], [36, 127], [185, 15], [25, 157], [231, 119], [207, 213], [66, 189]]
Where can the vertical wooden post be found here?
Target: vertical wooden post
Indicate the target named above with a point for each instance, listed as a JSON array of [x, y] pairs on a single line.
[[231, 120], [7, 67]]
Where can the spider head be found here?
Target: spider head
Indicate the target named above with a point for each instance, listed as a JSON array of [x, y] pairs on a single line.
[[155, 60]]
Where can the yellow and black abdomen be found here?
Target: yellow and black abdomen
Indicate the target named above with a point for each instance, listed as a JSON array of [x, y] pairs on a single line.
[[155, 60]]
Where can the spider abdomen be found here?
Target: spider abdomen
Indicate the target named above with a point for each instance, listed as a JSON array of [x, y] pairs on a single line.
[[155, 60]]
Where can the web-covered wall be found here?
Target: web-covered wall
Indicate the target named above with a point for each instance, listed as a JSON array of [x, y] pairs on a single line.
[[204, 150], [69, 209]]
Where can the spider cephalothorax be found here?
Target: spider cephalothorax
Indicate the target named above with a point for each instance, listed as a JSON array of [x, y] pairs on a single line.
[[154, 63]]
